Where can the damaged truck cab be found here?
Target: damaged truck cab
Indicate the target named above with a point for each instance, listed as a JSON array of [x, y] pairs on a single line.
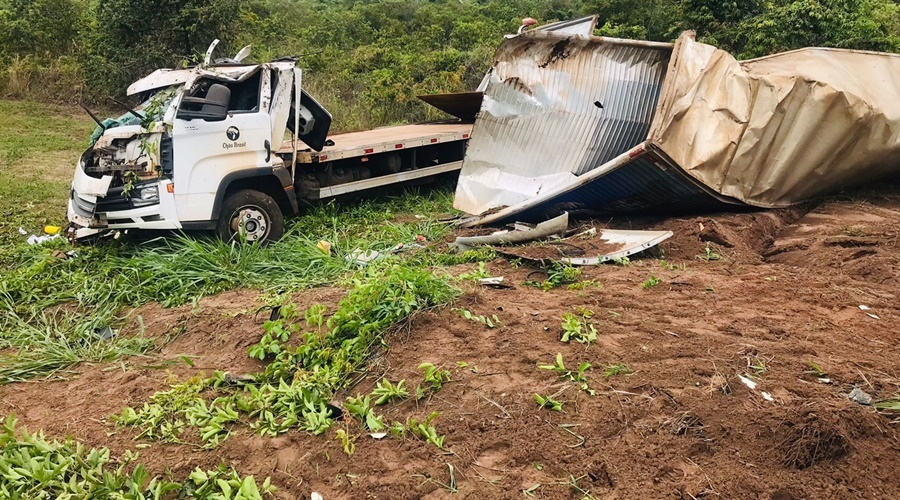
[[200, 153]]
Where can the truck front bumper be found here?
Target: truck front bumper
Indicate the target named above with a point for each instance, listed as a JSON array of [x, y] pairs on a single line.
[[92, 205]]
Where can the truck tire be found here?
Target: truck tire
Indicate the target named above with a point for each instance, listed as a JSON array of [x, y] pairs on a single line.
[[250, 216]]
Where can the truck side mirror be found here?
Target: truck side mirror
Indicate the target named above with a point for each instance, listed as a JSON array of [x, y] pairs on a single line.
[[212, 108]]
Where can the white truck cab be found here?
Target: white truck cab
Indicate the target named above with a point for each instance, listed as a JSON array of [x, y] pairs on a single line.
[[202, 145]]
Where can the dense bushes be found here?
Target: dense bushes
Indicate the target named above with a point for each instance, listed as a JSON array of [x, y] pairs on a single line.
[[367, 60]]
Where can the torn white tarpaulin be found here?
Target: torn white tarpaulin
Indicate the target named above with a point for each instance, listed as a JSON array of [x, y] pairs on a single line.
[[783, 128]]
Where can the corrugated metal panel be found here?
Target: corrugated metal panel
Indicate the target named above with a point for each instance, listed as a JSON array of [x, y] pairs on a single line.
[[582, 26], [555, 108], [644, 183]]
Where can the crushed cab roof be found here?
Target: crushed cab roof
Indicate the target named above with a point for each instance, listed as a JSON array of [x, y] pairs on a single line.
[[166, 77]]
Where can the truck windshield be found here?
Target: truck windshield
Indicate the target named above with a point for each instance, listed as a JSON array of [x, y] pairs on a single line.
[[157, 103]]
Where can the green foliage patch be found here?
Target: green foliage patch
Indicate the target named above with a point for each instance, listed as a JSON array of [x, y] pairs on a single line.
[[33, 467], [299, 381]]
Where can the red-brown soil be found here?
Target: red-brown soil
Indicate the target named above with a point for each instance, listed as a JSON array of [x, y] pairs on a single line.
[[785, 291]]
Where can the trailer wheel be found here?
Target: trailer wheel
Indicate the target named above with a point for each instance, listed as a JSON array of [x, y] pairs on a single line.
[[250, 216]]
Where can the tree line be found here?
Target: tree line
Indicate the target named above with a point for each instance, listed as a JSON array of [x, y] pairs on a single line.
[[366, 60]]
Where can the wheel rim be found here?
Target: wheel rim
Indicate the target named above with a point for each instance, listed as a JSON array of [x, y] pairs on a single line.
[[250, 223]]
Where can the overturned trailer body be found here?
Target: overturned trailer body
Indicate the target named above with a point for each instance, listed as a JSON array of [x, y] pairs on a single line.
[[597, 126]]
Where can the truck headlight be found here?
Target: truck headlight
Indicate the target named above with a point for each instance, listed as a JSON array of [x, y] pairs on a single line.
[[148, 195]]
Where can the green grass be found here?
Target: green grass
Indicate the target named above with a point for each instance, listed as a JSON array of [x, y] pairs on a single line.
[[39, 145]]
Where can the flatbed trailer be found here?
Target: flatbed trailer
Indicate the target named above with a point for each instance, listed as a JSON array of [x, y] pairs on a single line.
[[356, 161]]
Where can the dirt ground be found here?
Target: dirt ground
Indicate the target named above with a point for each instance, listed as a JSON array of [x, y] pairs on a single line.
[[784, 293]]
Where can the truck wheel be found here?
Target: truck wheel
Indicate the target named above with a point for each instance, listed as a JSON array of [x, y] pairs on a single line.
[[250, 216]]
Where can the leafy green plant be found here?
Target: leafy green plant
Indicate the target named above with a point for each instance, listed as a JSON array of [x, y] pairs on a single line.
[[709, 254], [385, 392], [622, 261], [530, 492], [476, 274], [558, 274], [361, 408], [579, 327], [33, 467], [584, 285], [224, 483], [276, 333], [815, 369], [297, 383], [757, 364], [348, 443], [577, 376], [491, 322], [616, 369], [315, 315], [434, 378], [548, 402], [671, 266], [425, 431], [891, 404], [651, 282]]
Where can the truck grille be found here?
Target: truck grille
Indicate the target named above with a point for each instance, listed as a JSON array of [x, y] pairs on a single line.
[[81, 206], [114, 201]]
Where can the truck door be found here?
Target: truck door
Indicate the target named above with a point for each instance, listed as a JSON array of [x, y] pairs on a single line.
[[206, 151]]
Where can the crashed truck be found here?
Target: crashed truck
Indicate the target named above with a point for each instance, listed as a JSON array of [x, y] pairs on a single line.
[[593, 126], [205, 150]]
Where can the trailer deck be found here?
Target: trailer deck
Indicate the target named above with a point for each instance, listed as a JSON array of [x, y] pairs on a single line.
[[380, 140]]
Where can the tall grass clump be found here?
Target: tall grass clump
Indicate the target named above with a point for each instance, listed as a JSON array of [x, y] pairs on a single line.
[[44, 342]]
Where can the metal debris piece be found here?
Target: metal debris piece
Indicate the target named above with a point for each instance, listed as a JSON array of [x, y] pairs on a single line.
[[494, 282], [633, 242], [539, 126], [105, 332], [547, 228]]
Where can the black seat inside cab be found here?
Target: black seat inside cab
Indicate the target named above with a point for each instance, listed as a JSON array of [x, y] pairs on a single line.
[[213, 107]]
